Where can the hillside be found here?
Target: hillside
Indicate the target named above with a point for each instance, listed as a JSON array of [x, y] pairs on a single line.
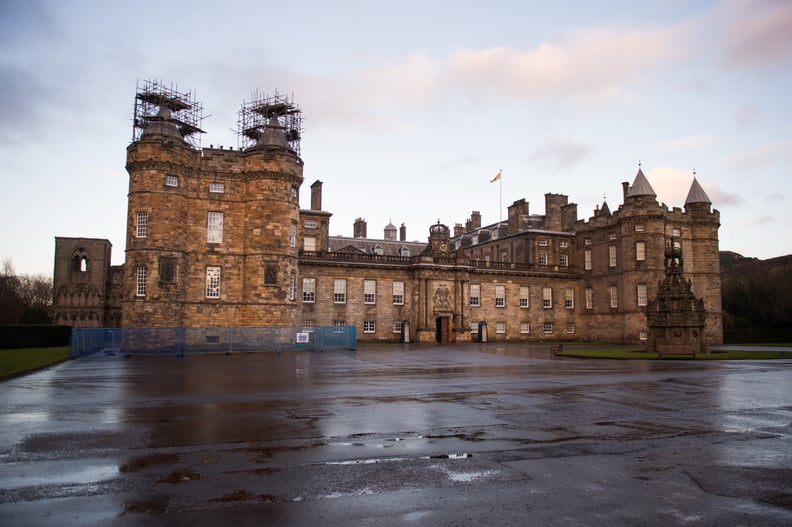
[[756, 293]]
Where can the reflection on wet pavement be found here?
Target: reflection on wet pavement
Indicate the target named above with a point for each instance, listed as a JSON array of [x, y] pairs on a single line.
[[393, 434]]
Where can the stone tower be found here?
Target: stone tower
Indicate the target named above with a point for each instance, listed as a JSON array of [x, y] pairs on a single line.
[[81, 281], [211, 233]]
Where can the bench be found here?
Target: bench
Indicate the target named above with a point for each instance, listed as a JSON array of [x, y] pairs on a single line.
[[555, 349], [676, 350]]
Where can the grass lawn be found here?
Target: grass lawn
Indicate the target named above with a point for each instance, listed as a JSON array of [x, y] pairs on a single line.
[[605, 353], [16, 361]]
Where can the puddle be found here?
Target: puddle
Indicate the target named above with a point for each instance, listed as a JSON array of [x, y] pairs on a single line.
[[78, 475], [142, 462]]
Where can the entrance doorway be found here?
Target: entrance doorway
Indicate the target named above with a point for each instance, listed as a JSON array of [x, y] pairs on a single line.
[[443, 330]]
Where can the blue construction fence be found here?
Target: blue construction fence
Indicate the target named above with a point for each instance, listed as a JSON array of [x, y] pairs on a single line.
[[181, 340]]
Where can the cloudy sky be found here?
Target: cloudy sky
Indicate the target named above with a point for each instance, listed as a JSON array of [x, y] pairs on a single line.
[[410, 108]]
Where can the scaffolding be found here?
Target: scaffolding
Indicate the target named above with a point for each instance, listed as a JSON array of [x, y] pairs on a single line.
[[256, 115], [156, 103]]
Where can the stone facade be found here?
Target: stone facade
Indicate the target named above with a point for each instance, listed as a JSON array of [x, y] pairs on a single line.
[[216, 237]]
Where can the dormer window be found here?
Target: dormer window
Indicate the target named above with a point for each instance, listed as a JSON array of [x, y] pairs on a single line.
[[404, 251], [378, 250]]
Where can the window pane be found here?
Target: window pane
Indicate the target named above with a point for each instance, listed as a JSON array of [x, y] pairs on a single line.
[[140, 276], [339, 291], [587, 255], [525, 296], [569, 298], [640, 250], [500, 296], [369, 291], [641, 294], [547, 297], [475, 294], [214, 227], [141, 224], [309, 290], [212, 282], [398, 293]]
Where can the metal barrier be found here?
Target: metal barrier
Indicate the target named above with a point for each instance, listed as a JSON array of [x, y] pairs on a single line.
[[229, 339]]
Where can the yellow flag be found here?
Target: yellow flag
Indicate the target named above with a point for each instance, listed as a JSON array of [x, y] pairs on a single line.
[[496, 178]]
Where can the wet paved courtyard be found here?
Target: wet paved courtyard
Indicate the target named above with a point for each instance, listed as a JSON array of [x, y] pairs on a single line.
[[393, 435]]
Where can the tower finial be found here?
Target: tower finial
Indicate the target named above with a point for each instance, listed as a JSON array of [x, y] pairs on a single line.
[[639, 164]]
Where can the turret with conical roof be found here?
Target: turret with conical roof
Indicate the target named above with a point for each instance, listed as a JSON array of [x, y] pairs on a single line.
[[640, 186], [696, 194]]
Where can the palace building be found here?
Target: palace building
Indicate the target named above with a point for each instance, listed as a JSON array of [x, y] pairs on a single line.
[[217, 237]]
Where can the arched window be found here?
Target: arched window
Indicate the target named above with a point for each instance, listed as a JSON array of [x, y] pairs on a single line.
[[79, 261]]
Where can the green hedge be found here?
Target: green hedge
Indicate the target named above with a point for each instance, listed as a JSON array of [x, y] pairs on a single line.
[[34, 336]]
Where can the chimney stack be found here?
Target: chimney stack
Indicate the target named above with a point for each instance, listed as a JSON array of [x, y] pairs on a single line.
[[403, 233], [316, 195], [359, 228]]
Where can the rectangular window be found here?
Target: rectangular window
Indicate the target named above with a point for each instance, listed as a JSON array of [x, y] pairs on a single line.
[[214, 227], [217, 187], [369, 326], [676, 233], [309, 243], [309, 224], [398, 293], [642, 294], [587, 241], [369, 291], [612, 255], [640, 251], [397, 326], [543, 242], [171, 181], [563, 260], [589, 298], [563, 244], [569, 298], [339, 291], [500, 296], [140, 278], [293, 234], [640, 227], [475, 295], [570, 327], [587, 259], [643, 335], [542, 258], [212, 282], [500, 327], [612, 236], [309, 290], [308, 326], [473, 326], [292, 285], [547, 327], [141, 224], [525, 296], [614, 296], [525, 327], [547, 297], [339, 326]]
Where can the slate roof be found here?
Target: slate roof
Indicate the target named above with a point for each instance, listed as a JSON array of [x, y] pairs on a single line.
[[366, 246], [696, 194], [641, 186]]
